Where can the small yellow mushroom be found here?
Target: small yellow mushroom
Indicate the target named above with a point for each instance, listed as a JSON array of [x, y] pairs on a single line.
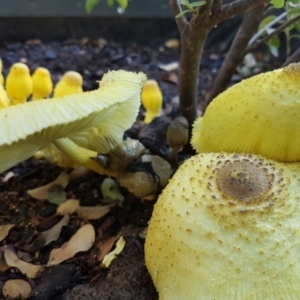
[[1, 73], [71, 83], [18, 83], [258, 115], [4, 100], [152, 100], [42, 84], [227, 226]]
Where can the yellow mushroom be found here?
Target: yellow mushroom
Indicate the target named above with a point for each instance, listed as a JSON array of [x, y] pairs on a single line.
[[68, 122], [227, 227], [258, 115], [70, 83], [42, 84], [18, 83], [152, 100], [4, 100], [1, 73]]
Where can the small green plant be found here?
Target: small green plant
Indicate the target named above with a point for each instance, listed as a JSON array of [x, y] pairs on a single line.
[[190, 7], [260, 26], [287, 22], [90, 4]]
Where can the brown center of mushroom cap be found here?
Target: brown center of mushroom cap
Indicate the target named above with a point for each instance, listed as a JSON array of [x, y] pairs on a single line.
[[243, 180]]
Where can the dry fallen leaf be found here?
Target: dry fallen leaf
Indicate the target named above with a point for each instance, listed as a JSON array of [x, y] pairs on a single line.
[[4, 230], [172, 43], [16, 289], [112, 255], [169, 67], [78, 173], [93, 212], [106, 247], [171, 77], [68, 207], [8, 176], [32, 271], [41, 193], [3, 265], [81, 241], [53, 233]]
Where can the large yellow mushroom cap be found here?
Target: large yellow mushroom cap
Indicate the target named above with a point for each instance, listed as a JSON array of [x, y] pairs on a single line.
[[227, 227], [259, 115]]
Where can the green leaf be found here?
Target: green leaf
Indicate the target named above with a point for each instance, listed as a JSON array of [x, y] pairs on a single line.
[[293, 11], [297, 26], [297, 36], [293, 2], [278, 3], [197, 3], [110, 3], [266, 21], [90, 4], [274, 44], [56, 194], [182, 13], [123, 4]]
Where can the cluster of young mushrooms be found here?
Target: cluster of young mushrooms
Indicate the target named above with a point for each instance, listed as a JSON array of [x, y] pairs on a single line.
[[227, 226]]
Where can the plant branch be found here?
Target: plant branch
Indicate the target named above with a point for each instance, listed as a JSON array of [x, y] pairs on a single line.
[[176, 9], [268, 26], [272, 34], [217, 6], [295, 57], [237, 7], [206, 9], [236, 52]]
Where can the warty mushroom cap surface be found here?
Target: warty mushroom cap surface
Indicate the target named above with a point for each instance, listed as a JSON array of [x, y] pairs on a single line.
[[227, 226], [258, 115]]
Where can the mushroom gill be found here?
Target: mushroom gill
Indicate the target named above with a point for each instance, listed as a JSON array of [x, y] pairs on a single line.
[[226, 227]]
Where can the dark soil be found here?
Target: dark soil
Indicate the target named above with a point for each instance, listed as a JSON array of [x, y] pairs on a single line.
[[82, 277]]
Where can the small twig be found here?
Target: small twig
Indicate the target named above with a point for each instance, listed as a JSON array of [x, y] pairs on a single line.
[[268, 26], [295, 57], [207, 7], [274, 33], [176, 9], [236, 52], [219, 4], [237, 7], [269, 11]]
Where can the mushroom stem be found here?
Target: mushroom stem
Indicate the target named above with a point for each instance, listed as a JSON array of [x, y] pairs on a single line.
[[174, 157], [82, 156]]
